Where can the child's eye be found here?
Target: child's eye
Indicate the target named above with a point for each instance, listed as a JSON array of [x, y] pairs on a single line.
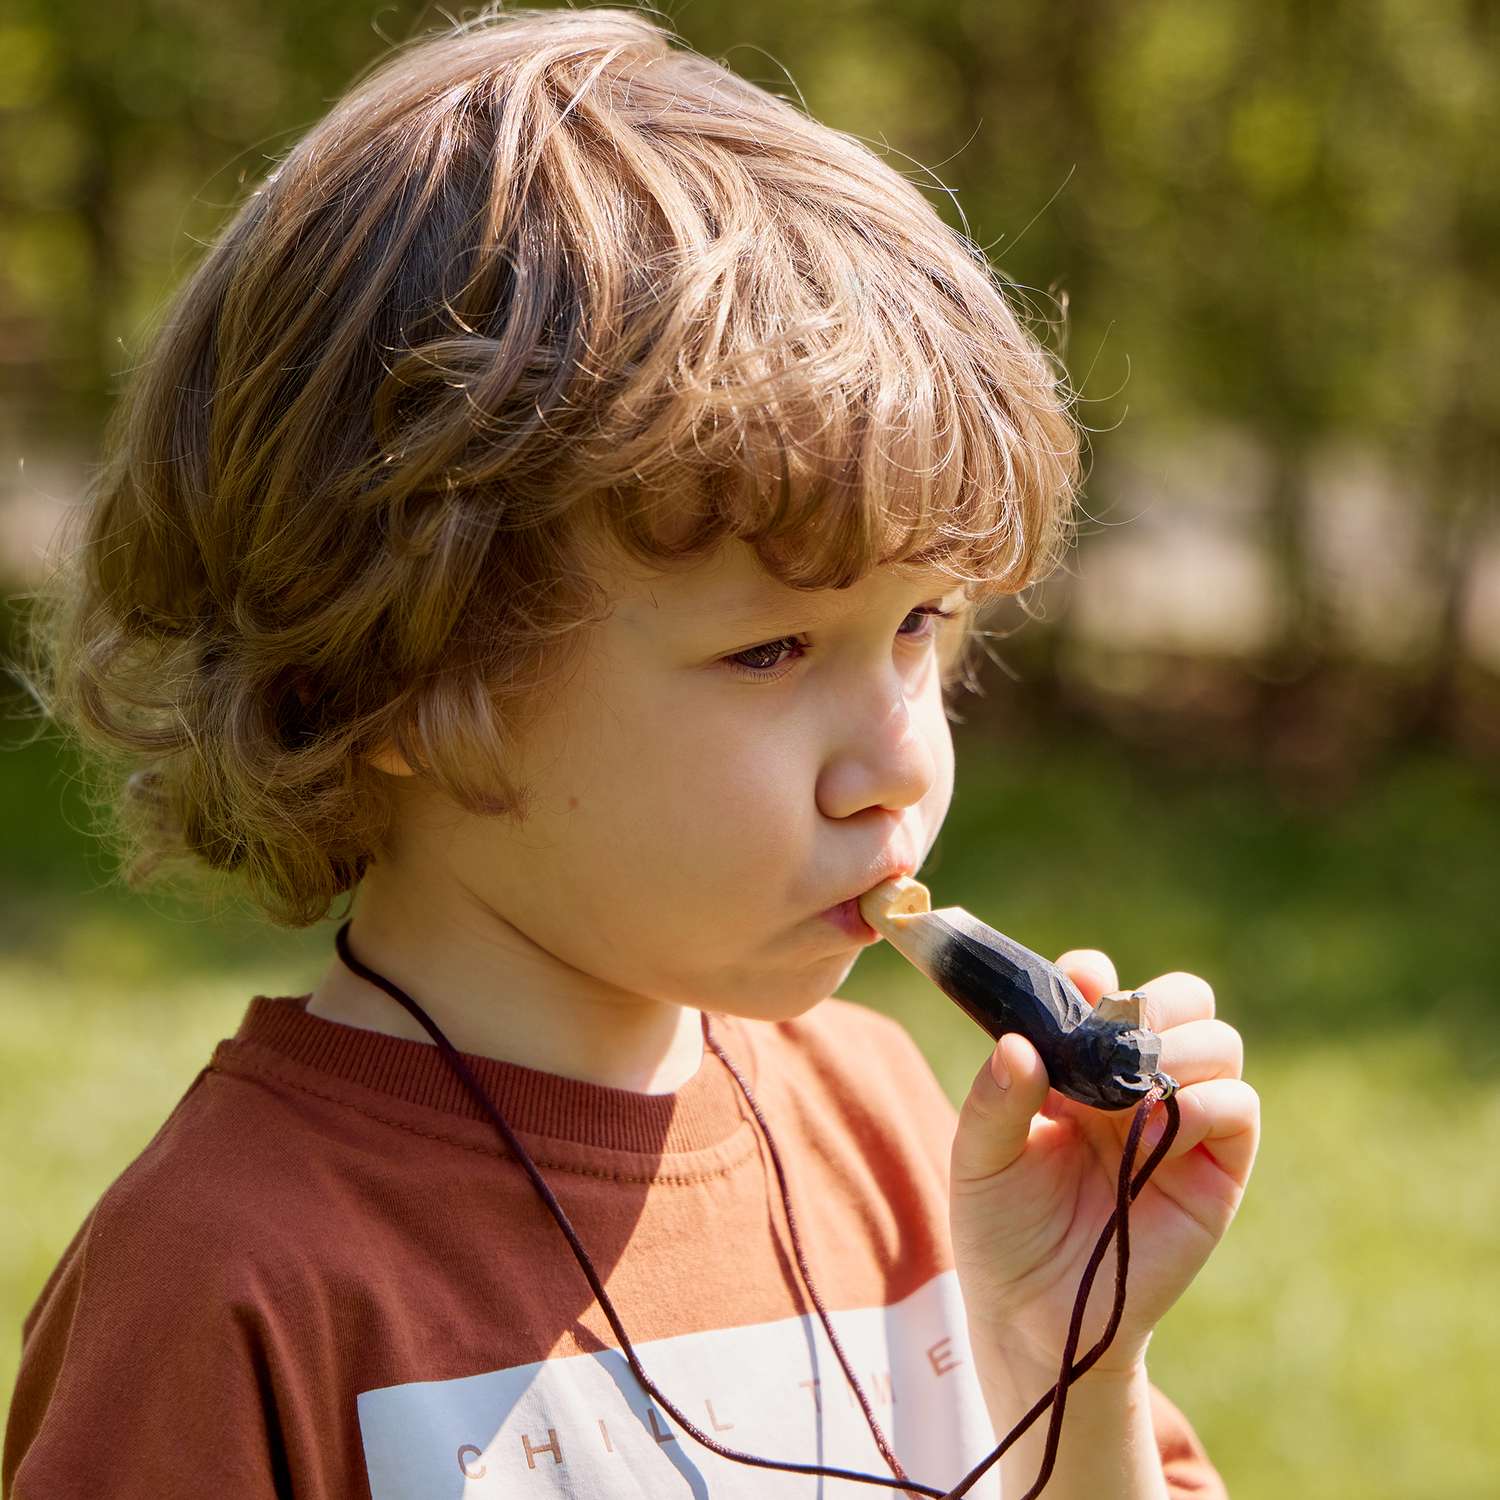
[[760, 663]]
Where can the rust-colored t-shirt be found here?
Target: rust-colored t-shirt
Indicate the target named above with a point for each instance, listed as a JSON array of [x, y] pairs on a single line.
[[326, 1277]]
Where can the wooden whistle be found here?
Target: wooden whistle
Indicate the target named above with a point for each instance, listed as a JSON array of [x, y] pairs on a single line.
[[1100, 1055]]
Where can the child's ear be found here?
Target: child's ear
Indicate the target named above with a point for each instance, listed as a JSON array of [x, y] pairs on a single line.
[[390, 760]]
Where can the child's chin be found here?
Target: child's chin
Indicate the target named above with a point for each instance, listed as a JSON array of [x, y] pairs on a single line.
[[794, 995]]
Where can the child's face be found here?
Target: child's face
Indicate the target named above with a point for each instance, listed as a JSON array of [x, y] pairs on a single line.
[[690, 821]]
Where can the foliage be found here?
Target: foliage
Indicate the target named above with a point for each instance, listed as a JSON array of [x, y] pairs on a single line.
[[1277, 214]]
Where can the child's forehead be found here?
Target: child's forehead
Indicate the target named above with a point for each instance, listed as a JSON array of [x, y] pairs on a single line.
[[732, 588]]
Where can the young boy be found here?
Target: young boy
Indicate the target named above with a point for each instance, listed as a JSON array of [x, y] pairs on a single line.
[[553, 513]]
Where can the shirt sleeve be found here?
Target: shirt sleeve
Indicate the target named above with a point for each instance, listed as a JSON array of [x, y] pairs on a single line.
[[140, 1375], [1185, 1462]]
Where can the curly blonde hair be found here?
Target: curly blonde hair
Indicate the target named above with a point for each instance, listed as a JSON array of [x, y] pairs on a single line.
[[541, 278]]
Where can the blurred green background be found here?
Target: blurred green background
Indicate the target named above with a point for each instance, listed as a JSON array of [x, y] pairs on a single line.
[[1254, 733]]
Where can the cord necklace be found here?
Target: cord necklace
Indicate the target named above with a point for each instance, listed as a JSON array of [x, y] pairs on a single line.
[[1164, 1088]]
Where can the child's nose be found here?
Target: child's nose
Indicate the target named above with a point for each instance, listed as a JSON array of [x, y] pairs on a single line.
[[882, 761]]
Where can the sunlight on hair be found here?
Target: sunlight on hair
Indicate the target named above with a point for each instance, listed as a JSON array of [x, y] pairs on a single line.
[[544, 275]]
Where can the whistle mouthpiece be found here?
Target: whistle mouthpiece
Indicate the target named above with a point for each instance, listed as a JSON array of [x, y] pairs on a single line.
[[894, 908], [1100, 1055], [892, 899]]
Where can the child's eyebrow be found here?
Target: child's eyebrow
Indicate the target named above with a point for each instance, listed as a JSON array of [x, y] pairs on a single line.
[[740, 612], [757, 611]]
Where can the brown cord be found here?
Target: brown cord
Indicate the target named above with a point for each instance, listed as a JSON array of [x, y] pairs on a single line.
[[1162, 1088]]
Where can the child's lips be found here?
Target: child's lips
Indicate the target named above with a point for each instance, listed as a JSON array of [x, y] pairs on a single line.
[[846, 917], [846, 914]]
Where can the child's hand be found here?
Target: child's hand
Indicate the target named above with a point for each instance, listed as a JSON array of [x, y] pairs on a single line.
[[1031, 1192]]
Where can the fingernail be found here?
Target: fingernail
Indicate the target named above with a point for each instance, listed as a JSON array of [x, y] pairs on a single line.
[[998, 1070]]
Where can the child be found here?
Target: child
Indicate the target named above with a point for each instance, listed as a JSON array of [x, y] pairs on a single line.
[[554, 513]]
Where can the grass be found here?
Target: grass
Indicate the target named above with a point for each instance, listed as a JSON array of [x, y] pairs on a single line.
[[1343, 1340]]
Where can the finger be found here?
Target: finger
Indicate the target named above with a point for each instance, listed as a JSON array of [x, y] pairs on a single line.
[[1223, 1116], [1196, 1051], [995, 1119], [1172, 999], [1092, 970]]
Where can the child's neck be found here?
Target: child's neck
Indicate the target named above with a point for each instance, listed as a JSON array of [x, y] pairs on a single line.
[[534, 1011]]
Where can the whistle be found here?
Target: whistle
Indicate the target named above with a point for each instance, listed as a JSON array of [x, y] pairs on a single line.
[[1100, 1055]]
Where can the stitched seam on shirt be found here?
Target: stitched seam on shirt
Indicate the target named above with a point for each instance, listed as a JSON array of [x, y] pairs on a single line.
[[500, 1152]]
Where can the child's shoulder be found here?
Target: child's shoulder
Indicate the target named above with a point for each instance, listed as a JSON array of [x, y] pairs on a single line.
[[199, 1195], [231, 1189], [157, 1315], [173, 1239]]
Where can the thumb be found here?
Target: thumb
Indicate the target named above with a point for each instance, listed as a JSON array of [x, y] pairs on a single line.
[[995, 1120]]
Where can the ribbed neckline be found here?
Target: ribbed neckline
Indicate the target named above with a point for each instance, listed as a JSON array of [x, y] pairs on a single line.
[[704, 1112]]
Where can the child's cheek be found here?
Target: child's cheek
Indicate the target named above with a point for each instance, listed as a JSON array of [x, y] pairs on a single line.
[[739, 805]]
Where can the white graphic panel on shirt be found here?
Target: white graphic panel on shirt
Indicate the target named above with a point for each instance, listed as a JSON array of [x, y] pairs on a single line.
[[583, 1427]]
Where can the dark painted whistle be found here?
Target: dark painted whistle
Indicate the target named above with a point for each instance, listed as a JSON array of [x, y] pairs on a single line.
[[1099, 1055]]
